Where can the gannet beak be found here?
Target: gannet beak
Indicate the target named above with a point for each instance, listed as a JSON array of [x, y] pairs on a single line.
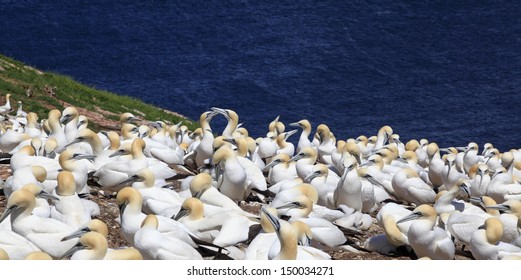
[[45, 195], [84, 156], [182, 212], [7, 212], [77, 140], [465, 189], [296, 157], [273, 220], [410, 217], [78, 233], [311, 176], [271, 164], [117, 153], [477, 200], [127, 182], [295, 124], [501, 207], [373, 180], [65, 119], [289, 133], [73, 250]]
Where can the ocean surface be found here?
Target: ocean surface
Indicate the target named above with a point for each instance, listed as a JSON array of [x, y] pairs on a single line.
[[447, 71]]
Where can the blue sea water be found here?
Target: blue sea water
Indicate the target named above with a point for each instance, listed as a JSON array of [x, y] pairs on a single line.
[[447, 71]]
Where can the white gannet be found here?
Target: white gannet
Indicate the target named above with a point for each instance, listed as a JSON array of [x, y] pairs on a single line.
[[326, 143], [280, 169], [91, 246], [156, 200], [98, 226], [45, 233], [303, 141], [410, 188], [425, 238], [155, 246], [69, 207], [226, 228], [130, 201], [485, 244], [232, 180]]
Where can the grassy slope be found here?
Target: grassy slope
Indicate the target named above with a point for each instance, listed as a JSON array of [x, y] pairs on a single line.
[[50, 90]]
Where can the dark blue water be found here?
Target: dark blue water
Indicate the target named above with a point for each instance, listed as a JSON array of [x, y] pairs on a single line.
[[446, 71]]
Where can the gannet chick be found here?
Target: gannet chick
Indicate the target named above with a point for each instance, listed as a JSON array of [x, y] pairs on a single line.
[[425, 238], [155, 246]]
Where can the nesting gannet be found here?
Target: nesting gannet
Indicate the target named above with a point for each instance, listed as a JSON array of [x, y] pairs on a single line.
[[425, 238], [30, 174], [259, 247], [45, 233], [232, 180], [15, 245], [155, 246], [503, 187], [69, 209], [225, 228], [485, 244], [480, 180], [98, 226], [130, 202], [409, 187], [156, 200], [91, 246], [318, 179], [280, 169], [114, 172], [304, 237], [287, 236]]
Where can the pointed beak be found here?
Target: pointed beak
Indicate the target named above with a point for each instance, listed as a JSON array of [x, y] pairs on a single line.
[[127, 182], [84, 156], [270, 165], [500, 207], [273, 220], [297, 157], [77, 234], [117, 153], [182, 212], [311, 176], [77, 140], [7, 212], [296, 124], [289, 133], [410, 217], [45, 195], [73, 250]]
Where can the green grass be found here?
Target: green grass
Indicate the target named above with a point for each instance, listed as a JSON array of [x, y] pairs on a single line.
[[49, 90]]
